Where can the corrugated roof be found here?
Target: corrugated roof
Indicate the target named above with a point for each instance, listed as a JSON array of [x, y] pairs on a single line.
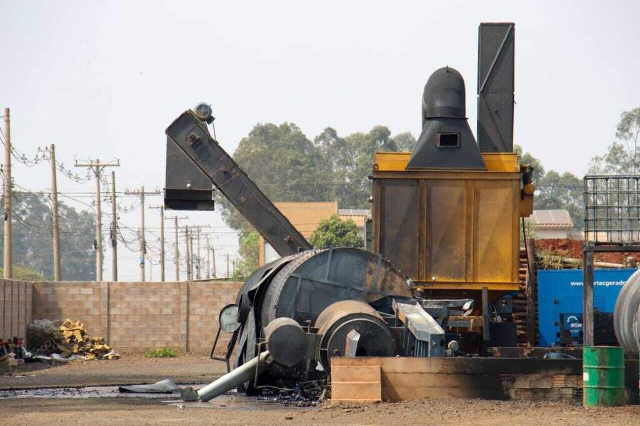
[[544, 219], [354, 212], [359, 216]]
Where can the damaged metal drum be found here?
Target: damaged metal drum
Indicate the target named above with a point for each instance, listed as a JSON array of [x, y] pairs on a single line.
[[374, 337], [626, 315], [313, 280], [286, 341]]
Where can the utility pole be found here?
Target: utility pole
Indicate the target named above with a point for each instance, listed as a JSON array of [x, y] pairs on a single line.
[[177, 250], [97, 167], [7, 195], [143, 241], [198, 262], [213, 255], [228, 274], [186, 237], [54, 211], [161, 208], [191, 254], [114, 229], [208, 259]]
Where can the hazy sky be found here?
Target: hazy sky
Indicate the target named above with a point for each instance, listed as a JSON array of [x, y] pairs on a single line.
[[105, 78]]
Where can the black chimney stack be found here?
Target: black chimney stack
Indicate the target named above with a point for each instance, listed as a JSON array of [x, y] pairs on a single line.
[[446, 141]]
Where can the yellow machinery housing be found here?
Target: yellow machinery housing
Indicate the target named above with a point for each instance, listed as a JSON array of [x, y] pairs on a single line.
[[451, 231]]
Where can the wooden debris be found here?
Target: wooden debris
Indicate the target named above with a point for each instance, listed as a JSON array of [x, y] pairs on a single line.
[[74, 340]]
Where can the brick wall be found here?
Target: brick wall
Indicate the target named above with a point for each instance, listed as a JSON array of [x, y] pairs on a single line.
[[15, 308], [132, 316], [205, 303], [74, 300]]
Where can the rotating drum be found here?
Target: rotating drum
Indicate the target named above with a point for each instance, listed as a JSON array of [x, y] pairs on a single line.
[[338, 320], [315, 279], [626, 315]]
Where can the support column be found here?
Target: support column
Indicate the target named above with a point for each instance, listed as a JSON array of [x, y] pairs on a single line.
[[105, 320], [587, 296], [184, 315]]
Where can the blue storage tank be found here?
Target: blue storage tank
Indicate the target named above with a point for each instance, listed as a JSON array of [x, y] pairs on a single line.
[[560, 302]]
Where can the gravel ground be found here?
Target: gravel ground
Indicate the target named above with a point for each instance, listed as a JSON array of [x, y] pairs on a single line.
[[72, 412], [130, 369], [199, 369]]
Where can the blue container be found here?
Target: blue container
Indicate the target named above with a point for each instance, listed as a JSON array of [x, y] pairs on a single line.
[[560, 300]]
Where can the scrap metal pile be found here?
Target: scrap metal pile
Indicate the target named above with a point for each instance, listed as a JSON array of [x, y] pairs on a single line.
[[70, 340]]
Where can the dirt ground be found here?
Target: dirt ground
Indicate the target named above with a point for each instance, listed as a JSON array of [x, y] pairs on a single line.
[[564, 247], [131, 369], [72, 412], [196, 369]]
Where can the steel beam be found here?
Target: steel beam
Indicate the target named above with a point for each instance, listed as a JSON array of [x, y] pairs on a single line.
[[587, 296]]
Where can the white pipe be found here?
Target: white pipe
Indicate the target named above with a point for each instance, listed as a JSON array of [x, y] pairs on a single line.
[[234, 378]]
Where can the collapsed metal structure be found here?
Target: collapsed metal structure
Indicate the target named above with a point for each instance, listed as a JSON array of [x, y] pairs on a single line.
[[445, 240]]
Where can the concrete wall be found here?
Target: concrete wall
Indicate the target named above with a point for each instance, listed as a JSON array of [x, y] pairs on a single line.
[[15, 308], [132, 316]]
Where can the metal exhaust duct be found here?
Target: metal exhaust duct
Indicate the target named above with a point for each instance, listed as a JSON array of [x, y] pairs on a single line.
[[496, 86]]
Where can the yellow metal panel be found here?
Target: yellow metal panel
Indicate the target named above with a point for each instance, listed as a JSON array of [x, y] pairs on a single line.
[[496, 231], [397, 161], [446, 231], [501, 161], [391, 161], [399, 224]]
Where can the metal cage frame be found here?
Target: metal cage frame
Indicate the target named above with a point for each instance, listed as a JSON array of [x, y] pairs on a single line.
[[612, 209], [611, 224]]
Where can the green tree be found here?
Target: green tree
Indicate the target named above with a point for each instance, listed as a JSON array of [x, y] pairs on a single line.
[[555, 190], [287, 166], [33, 240], [622, 157], [23, 273], [335, 232], [284, 165], [249, 252], [526, 158], [405, 141], [561, 191], [349, 161]]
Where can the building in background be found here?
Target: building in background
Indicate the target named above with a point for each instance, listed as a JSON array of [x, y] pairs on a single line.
[[359, 216], [553, 224], [306, 216]]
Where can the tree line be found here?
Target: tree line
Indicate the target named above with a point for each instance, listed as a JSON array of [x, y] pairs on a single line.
[[288, 166], [32, 247]]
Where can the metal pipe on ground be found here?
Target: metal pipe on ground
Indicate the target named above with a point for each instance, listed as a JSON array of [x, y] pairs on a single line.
[[233, 379]]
